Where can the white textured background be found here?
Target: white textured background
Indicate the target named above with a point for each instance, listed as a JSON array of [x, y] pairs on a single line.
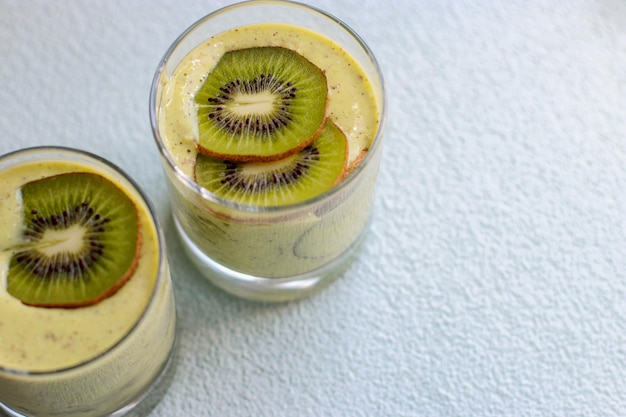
[[494, 280]]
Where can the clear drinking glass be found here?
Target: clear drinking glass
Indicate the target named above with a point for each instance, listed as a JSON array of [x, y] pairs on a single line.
[[101, 380], [266, 253]]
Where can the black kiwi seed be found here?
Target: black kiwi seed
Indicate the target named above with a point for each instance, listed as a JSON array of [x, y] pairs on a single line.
[[82, 241], [273, 108], [310, 172], [68, 218]]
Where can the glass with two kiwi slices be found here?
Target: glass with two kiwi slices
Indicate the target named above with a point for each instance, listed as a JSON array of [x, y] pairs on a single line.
[[87, 316], [269, 118]]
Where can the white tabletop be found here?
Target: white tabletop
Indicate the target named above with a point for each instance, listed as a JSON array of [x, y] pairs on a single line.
[[493, 282]]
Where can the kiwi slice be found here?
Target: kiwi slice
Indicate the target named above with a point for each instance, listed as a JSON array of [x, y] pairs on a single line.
[[81, 241], [260, 104], [306, 174]]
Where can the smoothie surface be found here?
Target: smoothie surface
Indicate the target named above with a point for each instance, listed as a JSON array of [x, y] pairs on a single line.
[[352, 104], [45, 339]]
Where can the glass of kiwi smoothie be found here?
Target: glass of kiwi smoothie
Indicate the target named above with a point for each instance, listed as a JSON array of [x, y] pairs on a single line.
[[87, 315], [269, 117]]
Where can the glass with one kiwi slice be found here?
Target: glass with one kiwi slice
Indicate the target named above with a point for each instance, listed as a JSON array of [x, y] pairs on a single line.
[[87, 318], [269, 118]]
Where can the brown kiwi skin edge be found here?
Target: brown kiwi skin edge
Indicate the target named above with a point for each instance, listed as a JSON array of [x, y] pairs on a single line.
[[267, 158], [111, 291], [347, 170], [357, 161]]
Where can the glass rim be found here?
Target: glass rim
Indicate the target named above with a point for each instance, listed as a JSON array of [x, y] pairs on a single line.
[[161, 252], [250, 208]]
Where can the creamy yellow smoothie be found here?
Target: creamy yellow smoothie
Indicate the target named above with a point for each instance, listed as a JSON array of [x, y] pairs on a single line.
[[269, 243], [89, 360], [352, 104]]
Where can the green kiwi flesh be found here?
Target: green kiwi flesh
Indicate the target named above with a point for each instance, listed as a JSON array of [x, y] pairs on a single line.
[[260, 104], [81, 241], [304, 175]]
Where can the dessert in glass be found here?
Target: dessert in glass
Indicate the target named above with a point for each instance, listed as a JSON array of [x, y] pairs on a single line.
[[87, 315], [269, 119]]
